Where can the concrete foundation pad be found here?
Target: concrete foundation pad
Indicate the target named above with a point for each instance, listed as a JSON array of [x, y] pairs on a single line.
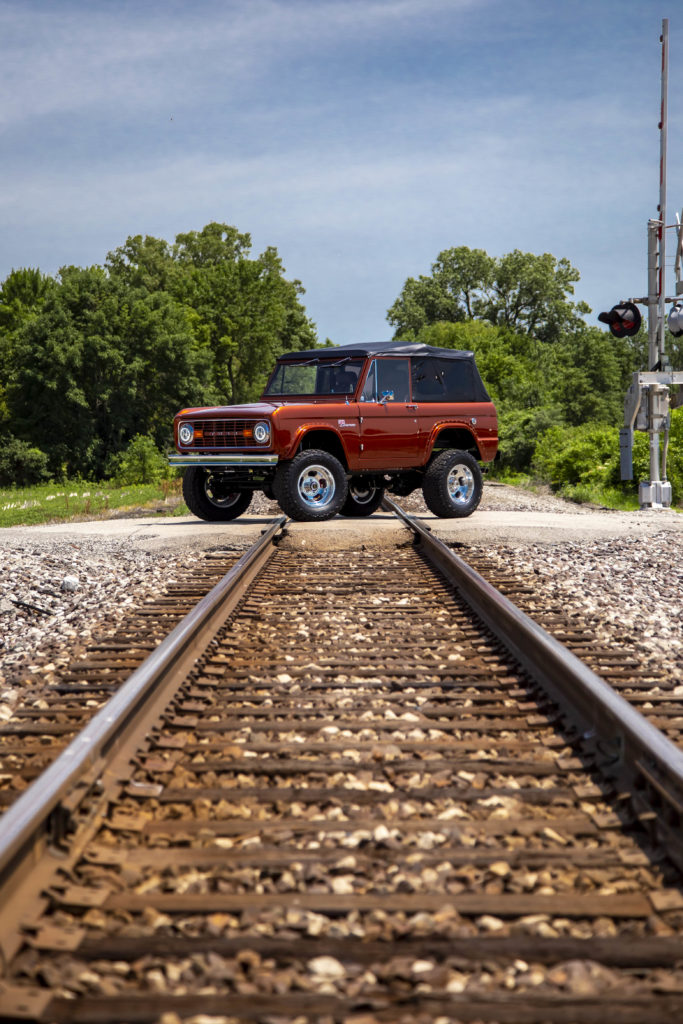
[[381, 529]]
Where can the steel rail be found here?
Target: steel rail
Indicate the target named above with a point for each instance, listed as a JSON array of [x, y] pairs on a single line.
[[27, 821], [635, 750]]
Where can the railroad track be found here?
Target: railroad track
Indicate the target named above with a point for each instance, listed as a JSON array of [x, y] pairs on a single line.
[[54, 713], [366, 790]]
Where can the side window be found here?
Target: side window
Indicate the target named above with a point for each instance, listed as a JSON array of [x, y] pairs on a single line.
[[459, 380], [393, 375], [427, 380], [443, 380], [369, 393]]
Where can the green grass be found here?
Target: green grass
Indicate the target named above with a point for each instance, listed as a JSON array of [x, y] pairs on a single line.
[[609, 497], [52, 503]]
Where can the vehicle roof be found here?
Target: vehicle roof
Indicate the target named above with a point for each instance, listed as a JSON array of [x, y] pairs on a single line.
[[374, 348]]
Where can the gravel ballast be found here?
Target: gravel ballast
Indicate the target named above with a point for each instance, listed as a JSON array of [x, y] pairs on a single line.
[[55, 593], [628, 589]]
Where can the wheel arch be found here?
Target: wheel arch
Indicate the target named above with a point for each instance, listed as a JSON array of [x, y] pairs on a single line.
[[454, 437], [323, 439]]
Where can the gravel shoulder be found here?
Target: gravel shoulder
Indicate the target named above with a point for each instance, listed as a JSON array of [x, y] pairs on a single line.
[[626, 585], [58, 585]]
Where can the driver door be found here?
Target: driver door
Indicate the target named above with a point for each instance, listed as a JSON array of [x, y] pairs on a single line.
[[388, 417]]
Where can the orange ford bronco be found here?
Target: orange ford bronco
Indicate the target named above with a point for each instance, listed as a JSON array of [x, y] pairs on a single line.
[[335, 427]]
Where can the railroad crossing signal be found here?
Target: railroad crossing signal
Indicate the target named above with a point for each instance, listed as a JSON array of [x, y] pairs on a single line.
[[623, 320], [675, 320], [649, 400]]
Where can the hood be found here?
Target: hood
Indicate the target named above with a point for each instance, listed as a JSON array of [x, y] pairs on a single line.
[[257, 409]]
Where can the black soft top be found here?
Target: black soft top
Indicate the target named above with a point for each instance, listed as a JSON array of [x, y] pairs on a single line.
[[375, 348]]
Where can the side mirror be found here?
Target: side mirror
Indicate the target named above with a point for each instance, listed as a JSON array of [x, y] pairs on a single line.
[[387, 396]]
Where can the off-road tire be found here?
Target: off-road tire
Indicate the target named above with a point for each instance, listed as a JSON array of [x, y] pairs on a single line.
[[452, 485], [363, 499], [312, 487], [209, 499]]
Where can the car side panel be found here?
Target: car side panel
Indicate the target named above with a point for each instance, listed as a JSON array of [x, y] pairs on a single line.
[[478, 419], [389, 435], [292, 423]]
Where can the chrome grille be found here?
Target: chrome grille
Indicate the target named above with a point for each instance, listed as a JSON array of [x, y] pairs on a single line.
[[223, 434]]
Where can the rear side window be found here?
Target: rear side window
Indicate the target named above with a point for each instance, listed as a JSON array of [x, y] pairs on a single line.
[[446, 380]]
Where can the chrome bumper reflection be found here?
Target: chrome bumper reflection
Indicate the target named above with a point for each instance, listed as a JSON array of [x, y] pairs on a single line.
[[223, 460]]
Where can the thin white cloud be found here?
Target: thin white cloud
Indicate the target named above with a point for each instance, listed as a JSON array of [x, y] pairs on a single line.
[[66, 58], [511, 178], [358, 185]]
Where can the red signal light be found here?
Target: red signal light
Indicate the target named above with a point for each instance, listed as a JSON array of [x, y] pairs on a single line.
[[624, 320]]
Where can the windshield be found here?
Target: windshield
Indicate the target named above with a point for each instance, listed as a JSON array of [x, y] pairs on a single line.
[[315, 377]]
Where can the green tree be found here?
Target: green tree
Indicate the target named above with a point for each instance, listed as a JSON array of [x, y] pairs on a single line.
[[145, 263], [22, 294], [524, 292], [242, 310], [590, 374], [108, 353], [100, 363], [247, 312], [140, 463], [21, 464], [451, 294]]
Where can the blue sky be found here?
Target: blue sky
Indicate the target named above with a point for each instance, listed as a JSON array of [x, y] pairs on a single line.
[[359, 137]]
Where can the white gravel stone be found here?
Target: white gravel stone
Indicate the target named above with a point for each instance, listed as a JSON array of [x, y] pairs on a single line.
[[327, 968], [627, 588], [43, 626]]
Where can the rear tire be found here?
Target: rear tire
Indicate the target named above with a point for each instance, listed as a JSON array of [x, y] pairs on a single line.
[[211, 498], [364, 499], [452, 485], [312, 487]]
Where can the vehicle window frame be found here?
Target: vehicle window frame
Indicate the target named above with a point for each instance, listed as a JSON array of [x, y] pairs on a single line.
[[372, 369], [267, 394], [454, 375]]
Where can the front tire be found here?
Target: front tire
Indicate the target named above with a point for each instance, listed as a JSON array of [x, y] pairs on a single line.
[[210, 497], [312, 487], [452, 485], [364, 498]]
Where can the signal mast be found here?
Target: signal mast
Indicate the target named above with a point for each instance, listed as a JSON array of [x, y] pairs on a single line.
[[649, 400]]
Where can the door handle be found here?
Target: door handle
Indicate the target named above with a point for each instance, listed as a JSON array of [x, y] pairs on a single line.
[[411, 407]]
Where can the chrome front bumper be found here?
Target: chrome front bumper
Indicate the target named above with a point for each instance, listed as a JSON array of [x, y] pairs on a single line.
[[213, 461]]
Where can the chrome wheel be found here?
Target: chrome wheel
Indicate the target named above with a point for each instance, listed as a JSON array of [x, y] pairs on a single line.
[[218, 495], [364, 498], [312, 487], [211, 498], [460, 484], [316, 486], [362, 494], [452, 485]]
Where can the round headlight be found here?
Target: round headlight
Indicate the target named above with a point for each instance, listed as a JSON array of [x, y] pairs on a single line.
[[262, 433], [186, 433]]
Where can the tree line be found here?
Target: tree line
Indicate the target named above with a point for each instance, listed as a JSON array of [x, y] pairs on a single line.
[[95, 356], [99, 354], [558, 383]]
